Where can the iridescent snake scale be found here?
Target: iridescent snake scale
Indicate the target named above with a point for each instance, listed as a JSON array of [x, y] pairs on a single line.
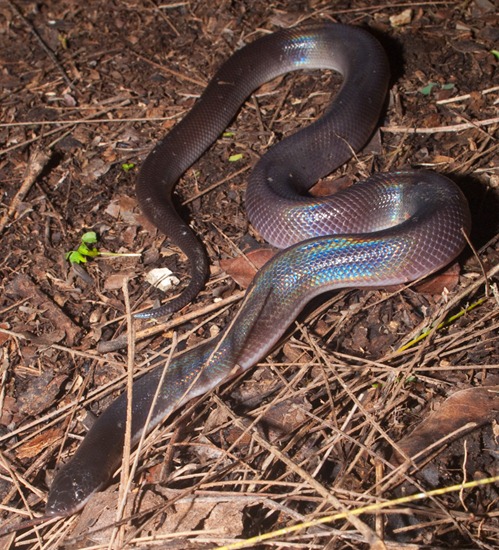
[[390, 229]]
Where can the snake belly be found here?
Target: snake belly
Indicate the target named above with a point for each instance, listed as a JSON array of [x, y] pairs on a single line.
[[390, 229]]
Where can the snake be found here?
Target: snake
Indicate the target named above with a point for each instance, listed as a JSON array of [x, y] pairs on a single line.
[[389, 229]]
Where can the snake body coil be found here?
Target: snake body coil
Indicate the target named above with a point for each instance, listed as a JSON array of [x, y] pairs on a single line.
[[390, 229]]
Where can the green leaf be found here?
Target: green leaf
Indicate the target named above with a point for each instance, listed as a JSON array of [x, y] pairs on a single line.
[[75, 257], [428, 88], [495, 53], [63, 41], [228, 134], [90, 237], [84, 250], [235, 158], [127, 166]]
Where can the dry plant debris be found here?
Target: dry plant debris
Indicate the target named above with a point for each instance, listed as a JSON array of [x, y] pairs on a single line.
[[86, 90]]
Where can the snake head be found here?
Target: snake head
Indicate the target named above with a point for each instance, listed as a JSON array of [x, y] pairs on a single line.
[[73, 486]]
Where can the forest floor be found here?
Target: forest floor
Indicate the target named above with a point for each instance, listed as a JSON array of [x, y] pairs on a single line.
[[86, 90]]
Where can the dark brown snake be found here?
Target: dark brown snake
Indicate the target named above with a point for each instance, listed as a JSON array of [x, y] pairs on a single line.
[[390, 229]]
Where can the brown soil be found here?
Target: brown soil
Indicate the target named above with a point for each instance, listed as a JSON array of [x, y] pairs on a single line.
[[87, 88]]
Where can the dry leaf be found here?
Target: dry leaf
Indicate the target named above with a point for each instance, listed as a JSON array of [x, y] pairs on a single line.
[[325, 187], [115, 281], [475, 406], [244, 268], [37, 444], [436, 284]]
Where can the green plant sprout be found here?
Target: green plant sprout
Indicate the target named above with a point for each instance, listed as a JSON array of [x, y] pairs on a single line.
[[127, 166], [429, 87], [87, 250]]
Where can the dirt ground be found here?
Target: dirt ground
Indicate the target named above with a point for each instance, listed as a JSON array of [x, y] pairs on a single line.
[[86, 91]]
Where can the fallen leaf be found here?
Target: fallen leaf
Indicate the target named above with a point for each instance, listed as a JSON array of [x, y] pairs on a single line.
[[38, 443], [243, 268], [220, 519], [125, 208], [326, 187], [436, 284], [115, 281], [474, 406]]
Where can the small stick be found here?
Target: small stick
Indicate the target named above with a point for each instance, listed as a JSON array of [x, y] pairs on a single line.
[[37, 162], [453, 128], [458, 98]]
